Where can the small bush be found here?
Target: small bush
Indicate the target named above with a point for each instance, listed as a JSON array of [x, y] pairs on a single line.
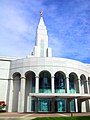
[[2, 106]]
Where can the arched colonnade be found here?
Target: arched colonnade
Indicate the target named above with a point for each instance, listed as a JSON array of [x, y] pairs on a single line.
[[46, 83]]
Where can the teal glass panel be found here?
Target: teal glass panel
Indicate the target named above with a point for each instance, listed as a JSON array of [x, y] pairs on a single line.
[[71, 86], [33, 89], [45, 85], [45, 90], [61, 105], [44, 105], [72, 90], [59, 85], [72, 106], [33, 84], [60, 90]]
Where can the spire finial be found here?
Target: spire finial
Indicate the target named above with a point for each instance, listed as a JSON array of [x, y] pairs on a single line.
[[41, 13]]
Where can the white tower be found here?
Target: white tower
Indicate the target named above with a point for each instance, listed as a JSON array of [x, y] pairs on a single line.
[[41, 46]]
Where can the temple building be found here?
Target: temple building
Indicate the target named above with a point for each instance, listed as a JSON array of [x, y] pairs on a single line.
[[42, 83]]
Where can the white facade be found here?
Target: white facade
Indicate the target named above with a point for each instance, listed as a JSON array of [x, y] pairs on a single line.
[[38, 82], [4, 76]]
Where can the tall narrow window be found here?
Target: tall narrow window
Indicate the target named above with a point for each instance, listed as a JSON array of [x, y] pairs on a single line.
[[42, 48], [60, 82], [44, 82]]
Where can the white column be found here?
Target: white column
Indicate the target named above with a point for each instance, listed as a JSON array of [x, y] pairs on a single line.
[[79, 82], [82, 86], [22, 95], [10, 99], [76, 105], [37, 85], [29, 104], [52, 84], [67, 84], [87, 86], [83, 106]]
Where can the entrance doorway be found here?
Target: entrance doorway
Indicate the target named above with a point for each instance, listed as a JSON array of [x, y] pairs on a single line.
[[60, 105], [44, 105], [48, 105]]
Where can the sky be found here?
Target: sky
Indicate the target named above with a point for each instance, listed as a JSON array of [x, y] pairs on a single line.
[[67, 22]]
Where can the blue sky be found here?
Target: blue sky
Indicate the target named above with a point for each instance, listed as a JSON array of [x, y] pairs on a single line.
[[67, 21]]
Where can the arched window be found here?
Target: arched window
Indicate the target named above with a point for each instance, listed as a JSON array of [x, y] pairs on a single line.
[[83, 84], [73, 83], [29, 86], [44, 82], [60, 82]]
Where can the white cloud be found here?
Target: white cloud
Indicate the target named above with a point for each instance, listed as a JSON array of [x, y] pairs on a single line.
[[16, 33], [67, 27]]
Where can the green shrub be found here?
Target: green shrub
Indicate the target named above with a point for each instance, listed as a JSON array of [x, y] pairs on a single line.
[[2, 106]]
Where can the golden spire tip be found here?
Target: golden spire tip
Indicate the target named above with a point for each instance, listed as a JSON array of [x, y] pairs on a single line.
[[41, 13]]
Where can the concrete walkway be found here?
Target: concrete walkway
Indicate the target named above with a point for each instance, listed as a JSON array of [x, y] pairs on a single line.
[[30, 116], [16, 116]]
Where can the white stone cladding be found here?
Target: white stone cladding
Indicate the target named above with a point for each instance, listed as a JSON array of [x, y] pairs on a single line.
[[4, 76], [37, 64]]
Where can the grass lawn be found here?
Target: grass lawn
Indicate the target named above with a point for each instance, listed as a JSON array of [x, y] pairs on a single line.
[[65, 118]]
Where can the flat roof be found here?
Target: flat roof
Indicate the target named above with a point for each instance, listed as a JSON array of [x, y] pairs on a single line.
[[7, 58], [61, 95]]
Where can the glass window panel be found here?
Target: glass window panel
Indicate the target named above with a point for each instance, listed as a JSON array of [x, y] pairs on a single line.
[[72, 106], [44, 105], [59, 83], [45, 82]]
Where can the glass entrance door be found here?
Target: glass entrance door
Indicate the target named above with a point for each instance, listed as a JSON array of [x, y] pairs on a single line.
[[72, 106], [44, 105], [47, 105], [60, 105]]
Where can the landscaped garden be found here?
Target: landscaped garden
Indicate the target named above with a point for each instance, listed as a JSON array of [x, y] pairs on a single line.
[[65, 118]]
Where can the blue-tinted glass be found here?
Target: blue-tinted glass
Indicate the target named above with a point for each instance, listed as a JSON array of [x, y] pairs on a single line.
[[33, 85], [33, 105], [72, 106], [44, 105], [59, 85], [60, 105], [45, 83], [71, 86]]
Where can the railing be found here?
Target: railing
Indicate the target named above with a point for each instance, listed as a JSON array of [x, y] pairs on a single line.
[[59, 90], [72, 90], [44, 90]]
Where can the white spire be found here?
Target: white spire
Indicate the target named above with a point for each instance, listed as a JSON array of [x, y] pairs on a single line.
[[41, 47], [41, 23]]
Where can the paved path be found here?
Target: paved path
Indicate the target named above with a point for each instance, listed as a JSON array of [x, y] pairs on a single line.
[[16, 116], [30, 116]]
